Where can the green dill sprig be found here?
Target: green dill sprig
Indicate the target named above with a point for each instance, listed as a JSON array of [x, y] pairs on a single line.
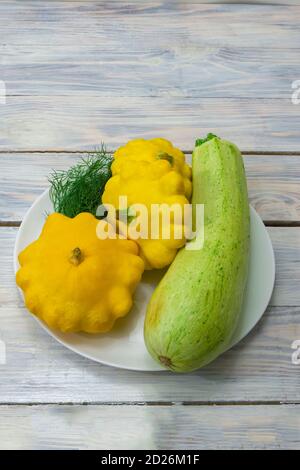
[[80, 188]]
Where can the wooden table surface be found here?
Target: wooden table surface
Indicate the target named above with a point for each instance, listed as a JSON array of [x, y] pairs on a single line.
[[78, 73]]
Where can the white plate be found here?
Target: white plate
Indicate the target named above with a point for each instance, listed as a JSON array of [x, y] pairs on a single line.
[[124, 347]]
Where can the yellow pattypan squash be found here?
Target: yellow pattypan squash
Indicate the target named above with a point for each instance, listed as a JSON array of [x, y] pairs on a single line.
[[74, 281], [151, 180], [150, 151]]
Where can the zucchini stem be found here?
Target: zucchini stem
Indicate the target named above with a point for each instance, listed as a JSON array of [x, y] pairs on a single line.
[[209, 136]]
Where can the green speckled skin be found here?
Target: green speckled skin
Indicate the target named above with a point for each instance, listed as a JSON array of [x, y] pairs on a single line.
[[194, 310]]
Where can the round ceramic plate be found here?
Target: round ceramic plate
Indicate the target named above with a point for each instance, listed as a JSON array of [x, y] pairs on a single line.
[[124, 347]]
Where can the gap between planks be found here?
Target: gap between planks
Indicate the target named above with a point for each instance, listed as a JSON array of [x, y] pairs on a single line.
[[156, 403], [187, 152], [267, 223]]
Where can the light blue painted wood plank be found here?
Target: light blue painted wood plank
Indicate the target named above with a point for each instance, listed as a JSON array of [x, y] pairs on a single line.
[[90, 22], [172, 427], [136, 69], [82, 122]]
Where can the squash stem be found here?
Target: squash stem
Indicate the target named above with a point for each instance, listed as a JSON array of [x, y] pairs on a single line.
[[165, 156], [76, 256]]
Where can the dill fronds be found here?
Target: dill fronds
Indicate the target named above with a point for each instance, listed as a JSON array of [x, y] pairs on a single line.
[[80, 188]]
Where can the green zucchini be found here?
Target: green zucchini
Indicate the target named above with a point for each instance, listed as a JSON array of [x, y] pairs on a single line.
[[195, 308]]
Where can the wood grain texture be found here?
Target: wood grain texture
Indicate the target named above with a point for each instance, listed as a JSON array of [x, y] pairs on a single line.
[[39, 370], [118, 23], [102, 427], [81, 122], [273, 182], [138, 69]]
